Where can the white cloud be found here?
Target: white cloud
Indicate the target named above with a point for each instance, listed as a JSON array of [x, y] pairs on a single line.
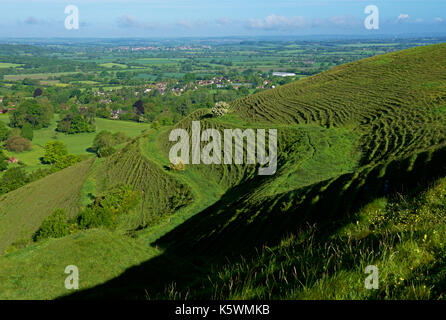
[[438, 19], [274, 22], [403, 17], [35, 21], [127, 21], [344, 21]]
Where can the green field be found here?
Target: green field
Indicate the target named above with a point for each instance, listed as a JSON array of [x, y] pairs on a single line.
[[77, 144], [37, 76], [9, 65], [113, 65]]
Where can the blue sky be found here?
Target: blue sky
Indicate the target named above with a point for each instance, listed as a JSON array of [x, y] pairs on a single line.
[[199, 18]]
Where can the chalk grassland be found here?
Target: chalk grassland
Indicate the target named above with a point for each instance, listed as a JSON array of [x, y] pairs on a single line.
[[347, 137], [22, 211], [389, 99], [37, 272]]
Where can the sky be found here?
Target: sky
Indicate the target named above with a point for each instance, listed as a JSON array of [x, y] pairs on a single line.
[[212, 18]]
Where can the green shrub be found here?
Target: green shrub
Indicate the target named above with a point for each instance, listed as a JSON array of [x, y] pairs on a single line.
[[105, 141], [95, 217], [54, 226], [12, 179], [54, 151], [106, 152], [3, 160], [106, 208], [17, 144], [57, 155]]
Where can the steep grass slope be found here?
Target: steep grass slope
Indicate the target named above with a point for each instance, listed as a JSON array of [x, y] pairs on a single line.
[[390, 99], [22, 211], [387, 132]]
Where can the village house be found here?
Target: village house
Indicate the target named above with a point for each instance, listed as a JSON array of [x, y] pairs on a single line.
[[13, 160]]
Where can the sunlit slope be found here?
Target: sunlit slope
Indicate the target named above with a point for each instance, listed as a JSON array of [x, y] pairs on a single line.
[[22, 211], [344, 136], [161, 193], [397, 101], [37, 272]]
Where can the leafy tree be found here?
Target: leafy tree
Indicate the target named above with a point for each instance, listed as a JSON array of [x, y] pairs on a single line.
[[18, 144], [12, 179], [64, 125], [103, 139], [30, 111], [27, 131], [104, 142], [67, 161], [54, 151], [38, 92], [56, 154], [3, 160], [73, 124], [120, 137], [4, 132], [138, 107], [79, 125]]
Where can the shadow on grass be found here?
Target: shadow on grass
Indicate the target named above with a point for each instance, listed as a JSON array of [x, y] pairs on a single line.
[[237, 224]]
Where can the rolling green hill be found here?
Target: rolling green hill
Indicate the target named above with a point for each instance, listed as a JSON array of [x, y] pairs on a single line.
[[359, 150]]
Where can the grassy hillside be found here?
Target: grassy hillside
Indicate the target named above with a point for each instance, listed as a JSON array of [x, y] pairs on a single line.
[[37, 272], [22, 211], [352, 142]]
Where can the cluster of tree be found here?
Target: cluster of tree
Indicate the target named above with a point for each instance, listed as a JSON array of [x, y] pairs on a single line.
[[105, 141], [56, 154], [72, 124], [36, 112], [103, 212], [18, 139]]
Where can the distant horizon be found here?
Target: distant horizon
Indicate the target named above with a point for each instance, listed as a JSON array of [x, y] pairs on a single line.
[[244, 37], [201, 18]]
